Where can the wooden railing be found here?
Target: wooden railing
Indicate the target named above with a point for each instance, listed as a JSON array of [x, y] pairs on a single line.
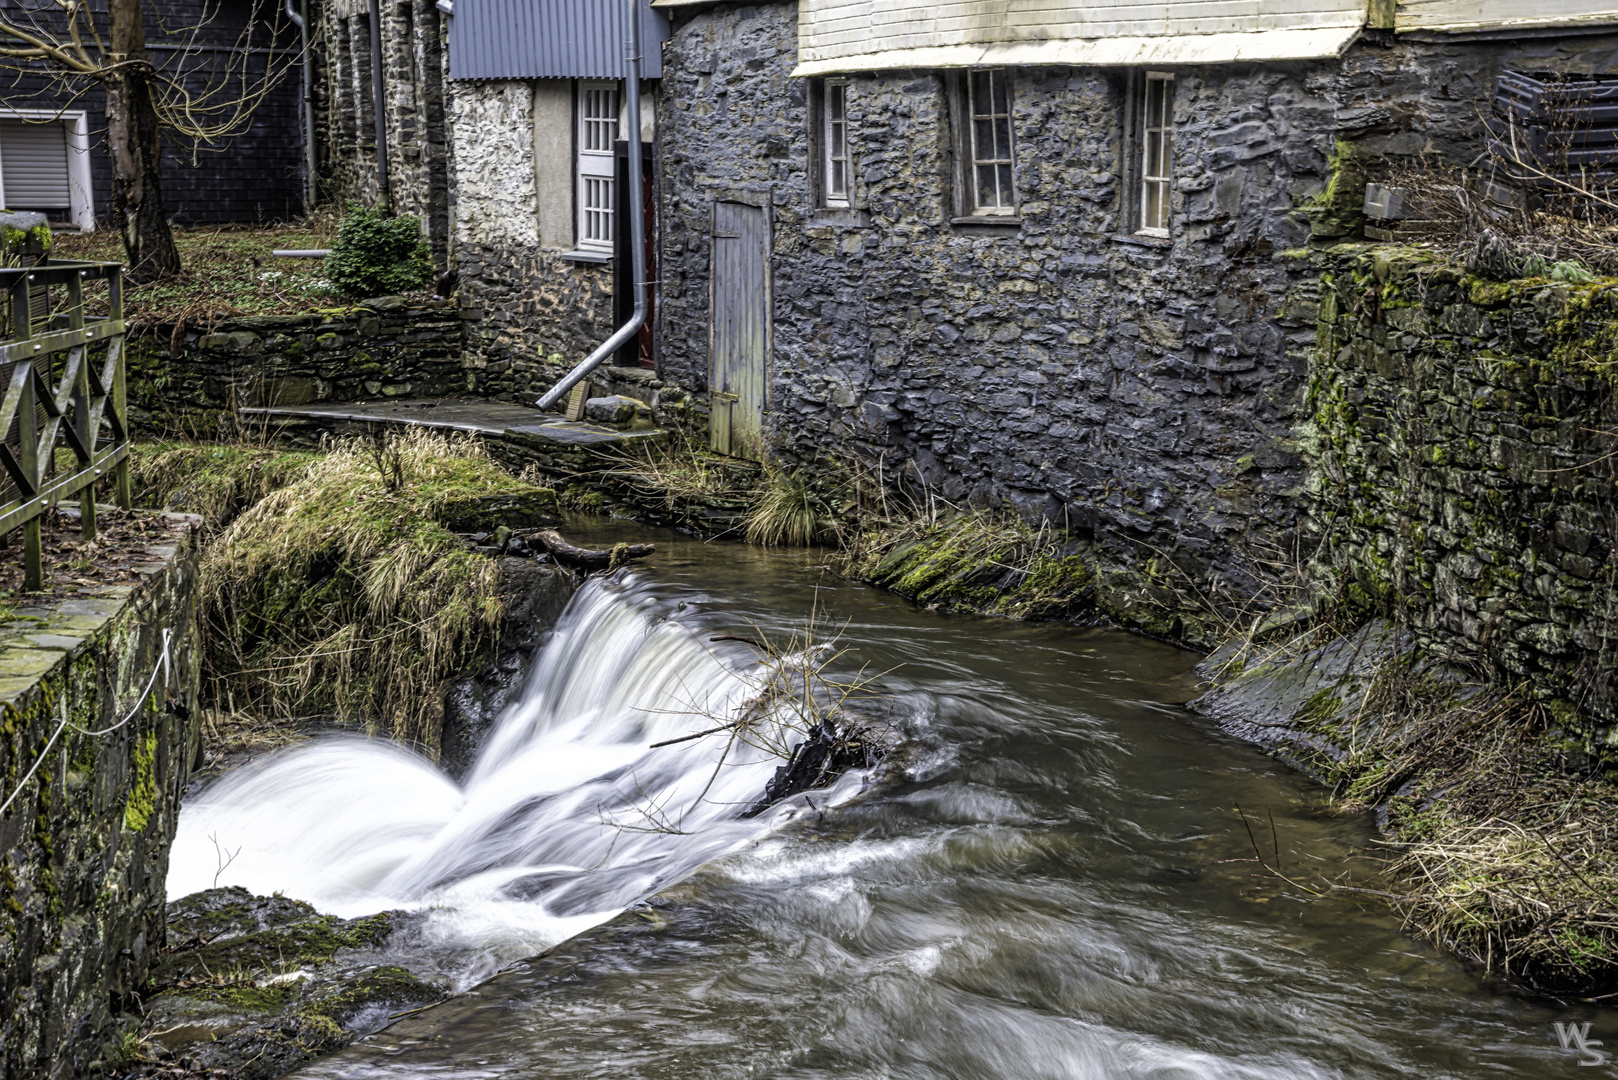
[[63, 373]]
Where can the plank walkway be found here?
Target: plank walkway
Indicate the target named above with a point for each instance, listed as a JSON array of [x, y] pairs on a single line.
[[493, 419]]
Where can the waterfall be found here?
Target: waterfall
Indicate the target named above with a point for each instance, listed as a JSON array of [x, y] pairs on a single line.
[[567, 816]]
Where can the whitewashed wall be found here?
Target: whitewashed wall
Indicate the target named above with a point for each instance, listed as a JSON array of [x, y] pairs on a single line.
[[1491, 14]]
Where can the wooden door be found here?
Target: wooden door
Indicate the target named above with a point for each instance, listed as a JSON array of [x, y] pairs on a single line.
[[739, 329]]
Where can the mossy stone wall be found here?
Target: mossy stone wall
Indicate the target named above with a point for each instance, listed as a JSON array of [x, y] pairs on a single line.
[[1461, 443], [84, 847], [187, 380]]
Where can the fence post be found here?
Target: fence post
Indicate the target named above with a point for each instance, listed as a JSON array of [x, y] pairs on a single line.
[[119, 389], [33, 541], [81, 406]]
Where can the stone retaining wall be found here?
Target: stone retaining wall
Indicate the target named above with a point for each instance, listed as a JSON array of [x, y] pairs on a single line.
[[84, 847], [1462, 442], [384, 348]]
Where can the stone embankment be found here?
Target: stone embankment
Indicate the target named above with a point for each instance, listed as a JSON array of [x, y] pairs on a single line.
[[98, 734]]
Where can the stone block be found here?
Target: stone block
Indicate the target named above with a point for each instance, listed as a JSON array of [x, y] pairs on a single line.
[[616, 411]]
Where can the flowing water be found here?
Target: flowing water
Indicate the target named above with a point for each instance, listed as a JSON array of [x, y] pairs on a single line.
[[1057, 886]]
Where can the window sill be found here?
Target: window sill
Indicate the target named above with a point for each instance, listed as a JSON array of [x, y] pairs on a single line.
[[1161, 243], [988, 221], [582, 256]]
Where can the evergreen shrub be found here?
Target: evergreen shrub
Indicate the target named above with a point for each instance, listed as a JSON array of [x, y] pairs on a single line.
[[379, 255]]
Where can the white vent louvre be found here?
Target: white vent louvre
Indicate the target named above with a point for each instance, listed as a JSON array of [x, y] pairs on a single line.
[[33, 165]]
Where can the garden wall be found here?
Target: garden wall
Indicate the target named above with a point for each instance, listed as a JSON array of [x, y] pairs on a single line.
[[1462, 441], [190, 381]]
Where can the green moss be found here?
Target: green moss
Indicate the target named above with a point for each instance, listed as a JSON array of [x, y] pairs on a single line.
[[143, 792]]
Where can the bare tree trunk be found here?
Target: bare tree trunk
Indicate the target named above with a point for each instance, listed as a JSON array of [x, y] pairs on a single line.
[[133, 135]]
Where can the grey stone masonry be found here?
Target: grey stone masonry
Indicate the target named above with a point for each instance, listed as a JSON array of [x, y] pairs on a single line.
[[390, 347], [1142, 390]]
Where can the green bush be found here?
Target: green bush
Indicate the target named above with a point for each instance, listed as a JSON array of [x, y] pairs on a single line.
[[378, 255]]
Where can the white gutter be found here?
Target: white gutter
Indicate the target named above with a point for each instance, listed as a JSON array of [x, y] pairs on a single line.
[[637, 224]]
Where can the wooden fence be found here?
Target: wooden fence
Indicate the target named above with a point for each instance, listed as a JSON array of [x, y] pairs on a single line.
[[62, 366]]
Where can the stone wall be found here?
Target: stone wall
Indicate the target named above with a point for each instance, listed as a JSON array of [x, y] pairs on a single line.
[[537, 313], [1463, 435], [84, 847], [1141, 392], [388, 347]]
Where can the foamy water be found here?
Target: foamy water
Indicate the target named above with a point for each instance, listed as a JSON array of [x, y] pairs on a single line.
[[566, 817]]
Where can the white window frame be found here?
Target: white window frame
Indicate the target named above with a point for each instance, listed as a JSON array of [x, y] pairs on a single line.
[[598, 124], [1156, 134], [834, 136], [81, 198], [978, 156]]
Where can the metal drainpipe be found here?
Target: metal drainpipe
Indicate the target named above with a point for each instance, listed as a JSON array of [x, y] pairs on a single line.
[[378, 105], [306, 103], [637, 223]]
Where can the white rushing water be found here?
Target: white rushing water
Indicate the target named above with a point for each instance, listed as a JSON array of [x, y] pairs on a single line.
[[566, 817]]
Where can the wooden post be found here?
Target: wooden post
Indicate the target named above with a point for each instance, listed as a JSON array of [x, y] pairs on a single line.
[[119, 391], [81, 407], [33, 540]]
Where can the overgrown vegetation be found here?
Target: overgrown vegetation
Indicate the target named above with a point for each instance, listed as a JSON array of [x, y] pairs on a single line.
[[1495, 810], [228, 271], [345, 593], [377, 254], [216, 481], [978, 561]]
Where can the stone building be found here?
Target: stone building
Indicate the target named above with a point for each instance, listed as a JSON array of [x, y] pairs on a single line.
[[1062, 267]]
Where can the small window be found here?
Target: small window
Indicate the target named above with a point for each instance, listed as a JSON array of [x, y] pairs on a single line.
[[987, 153], [836, 176], [1156, 152], [598, 133]]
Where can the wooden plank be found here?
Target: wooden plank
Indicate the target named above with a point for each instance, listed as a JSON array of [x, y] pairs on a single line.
[[1485, 14], [26, 511], [59, 340]]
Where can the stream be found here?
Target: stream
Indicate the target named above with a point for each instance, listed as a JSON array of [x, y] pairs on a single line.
[[1057, 886]]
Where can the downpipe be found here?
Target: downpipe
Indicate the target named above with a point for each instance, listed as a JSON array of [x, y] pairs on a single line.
[[306, 101], [637, 225]]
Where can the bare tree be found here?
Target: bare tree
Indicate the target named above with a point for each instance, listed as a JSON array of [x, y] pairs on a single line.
[[198, 95]]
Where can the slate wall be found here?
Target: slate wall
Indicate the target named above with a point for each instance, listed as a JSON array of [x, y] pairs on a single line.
[[1463, 434], [84, 847], [1145, 394]]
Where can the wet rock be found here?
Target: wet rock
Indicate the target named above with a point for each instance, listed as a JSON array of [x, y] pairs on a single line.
[[533, 595], [255, 986]]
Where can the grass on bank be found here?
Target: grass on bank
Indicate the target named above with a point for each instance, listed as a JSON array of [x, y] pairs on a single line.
[[216, 481], [1500, 823], [227, 271], [344, 593]]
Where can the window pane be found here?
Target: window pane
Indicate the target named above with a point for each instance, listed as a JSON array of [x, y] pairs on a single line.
[[834, 102], [1154, 157], [1005, 185], [987, 197], [837, 179], [1002, 99], [839, 141], [983, 140], [981, 92], [1002, 139]]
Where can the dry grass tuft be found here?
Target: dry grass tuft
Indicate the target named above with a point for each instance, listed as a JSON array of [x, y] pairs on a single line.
[[216, 481], [783, 514], [343, 593]]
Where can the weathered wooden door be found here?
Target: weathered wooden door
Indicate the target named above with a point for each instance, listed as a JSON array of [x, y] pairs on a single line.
[[739, 329]]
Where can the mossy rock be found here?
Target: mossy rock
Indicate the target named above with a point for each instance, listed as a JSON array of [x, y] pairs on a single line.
[[259, 985]]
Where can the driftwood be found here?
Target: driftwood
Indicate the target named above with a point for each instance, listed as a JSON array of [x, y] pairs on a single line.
[[579, 558]]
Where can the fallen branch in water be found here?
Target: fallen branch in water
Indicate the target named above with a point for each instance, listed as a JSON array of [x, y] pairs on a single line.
[[579, 558]]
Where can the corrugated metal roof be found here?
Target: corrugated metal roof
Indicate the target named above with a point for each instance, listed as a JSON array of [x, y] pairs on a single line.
[[550, 39]]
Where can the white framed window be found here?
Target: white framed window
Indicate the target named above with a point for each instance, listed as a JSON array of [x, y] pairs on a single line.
[[1156, 152], [836, 172], [597, 134], [45, 164], [989, 151]]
